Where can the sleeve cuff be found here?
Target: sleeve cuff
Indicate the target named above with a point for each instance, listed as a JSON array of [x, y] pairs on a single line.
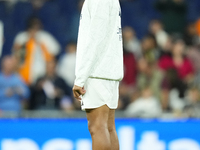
[[77, 83]]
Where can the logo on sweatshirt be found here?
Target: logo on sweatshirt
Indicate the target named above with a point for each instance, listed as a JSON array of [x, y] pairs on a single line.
[[120, 33]]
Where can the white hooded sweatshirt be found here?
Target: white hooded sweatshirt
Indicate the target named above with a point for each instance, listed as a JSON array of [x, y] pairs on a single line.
[[99, 49]]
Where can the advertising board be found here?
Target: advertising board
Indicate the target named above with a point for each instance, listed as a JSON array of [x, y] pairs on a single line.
[[72, 134]]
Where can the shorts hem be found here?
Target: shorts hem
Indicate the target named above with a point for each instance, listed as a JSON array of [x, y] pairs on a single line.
[[94, 107]]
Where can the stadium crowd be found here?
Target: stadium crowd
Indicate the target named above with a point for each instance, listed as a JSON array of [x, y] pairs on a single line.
[[161, 66]]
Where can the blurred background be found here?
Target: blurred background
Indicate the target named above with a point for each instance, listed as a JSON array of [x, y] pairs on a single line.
[[160, 90]]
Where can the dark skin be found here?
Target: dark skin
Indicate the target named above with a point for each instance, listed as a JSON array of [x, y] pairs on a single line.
[[101, 124]]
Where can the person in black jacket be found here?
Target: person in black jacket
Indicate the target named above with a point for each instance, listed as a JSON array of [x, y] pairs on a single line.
[[50, 91]]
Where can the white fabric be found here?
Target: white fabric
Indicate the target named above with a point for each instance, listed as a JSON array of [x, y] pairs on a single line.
[[161, 38], [1, 37], [100, 92], [134, 47], [99, 49], [144, 107], [49, 89], [66, 68], [175, 101]]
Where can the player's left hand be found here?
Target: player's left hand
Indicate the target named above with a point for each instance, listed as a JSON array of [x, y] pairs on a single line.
[[78, 91]]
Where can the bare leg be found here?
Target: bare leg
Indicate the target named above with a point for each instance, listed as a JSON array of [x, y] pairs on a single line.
[[98, 127], [112, 130]]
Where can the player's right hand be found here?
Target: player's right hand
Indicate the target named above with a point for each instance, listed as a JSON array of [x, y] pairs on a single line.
[[78, 91]]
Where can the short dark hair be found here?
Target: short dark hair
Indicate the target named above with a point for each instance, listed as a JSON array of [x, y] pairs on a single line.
[[32, 21]]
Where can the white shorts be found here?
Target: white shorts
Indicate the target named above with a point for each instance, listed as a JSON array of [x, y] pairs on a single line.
[[100, 92]]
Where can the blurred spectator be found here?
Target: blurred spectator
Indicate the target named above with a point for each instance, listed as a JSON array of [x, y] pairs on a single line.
[[37, 4], [34, 47], [157, 30], [130, 69], [196, 81], [66, 66], [127, 85], [193, 54], [178, 61], [51, 91], [149, 48], [12, 89], [191, 35], [146, 106], [192, 107], [173, 15], [166, 51], [124, 96], [149, 74], [198, 27], [165, 102], [178, 73], [131, 42], [173, 92]]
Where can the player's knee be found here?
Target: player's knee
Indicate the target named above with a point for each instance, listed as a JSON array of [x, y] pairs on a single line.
[[96, 127], [111, 128]]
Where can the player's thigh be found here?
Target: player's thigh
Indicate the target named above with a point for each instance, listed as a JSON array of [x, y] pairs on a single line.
[[98, 117], [111, 120]]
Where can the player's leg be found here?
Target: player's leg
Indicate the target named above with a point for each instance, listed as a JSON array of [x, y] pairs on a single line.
[[112, 130], [98, 127]]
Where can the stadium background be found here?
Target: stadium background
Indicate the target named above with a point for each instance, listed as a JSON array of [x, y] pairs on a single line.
[[159, 102]]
